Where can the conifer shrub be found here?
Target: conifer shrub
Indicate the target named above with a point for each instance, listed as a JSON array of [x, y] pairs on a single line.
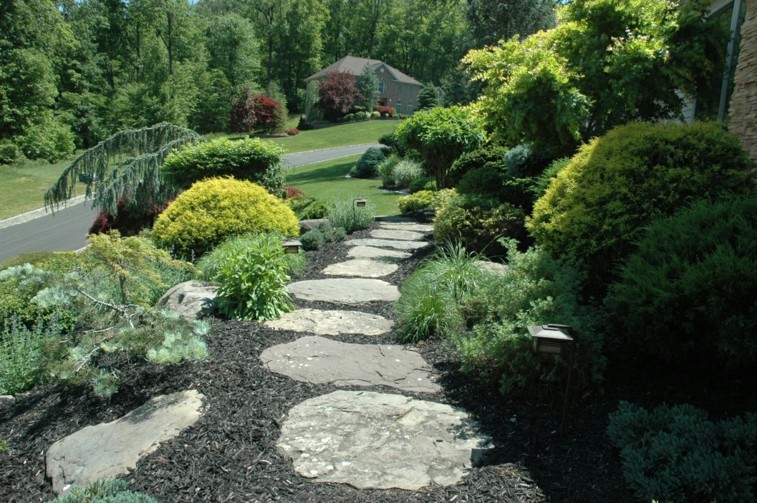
[[690, 286], [324, 233], [348, 216], [252, 272], [479, 223], [215, 209], [306, 208], [425, 183], [488, 155], [368, 163], [676, 453], [421, 200], [535, 290], [249, 159], [599, 204]]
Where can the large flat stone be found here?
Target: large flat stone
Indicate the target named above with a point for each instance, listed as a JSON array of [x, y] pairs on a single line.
[[415, 227], [349, 291], [376, 440], [191, 299], [388, 243], [334, 322], [401, 235], [319, 361], [376, 253], [362, 268], [110, 449]]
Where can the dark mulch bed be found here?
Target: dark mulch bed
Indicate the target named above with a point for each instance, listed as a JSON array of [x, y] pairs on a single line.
[[231, 455]]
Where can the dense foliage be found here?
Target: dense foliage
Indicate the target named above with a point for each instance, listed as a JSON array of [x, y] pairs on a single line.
[[252, 111], [215, 209], [249, 159], [689, 288], [337, 95], [598, 205], [366, 166], [606, 63], [676, 453], [441, 135]]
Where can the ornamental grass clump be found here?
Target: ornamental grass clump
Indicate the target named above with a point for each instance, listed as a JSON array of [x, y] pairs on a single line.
[[252, 272], [350, 217], [216, 209]]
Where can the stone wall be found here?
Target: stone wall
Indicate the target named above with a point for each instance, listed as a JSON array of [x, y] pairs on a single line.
[[743, 107]]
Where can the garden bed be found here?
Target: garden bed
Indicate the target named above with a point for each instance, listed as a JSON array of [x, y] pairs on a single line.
[[231, 454]]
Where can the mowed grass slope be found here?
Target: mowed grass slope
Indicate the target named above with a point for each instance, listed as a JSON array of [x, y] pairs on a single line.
[[354, 133], [23, 185], [327, 181]]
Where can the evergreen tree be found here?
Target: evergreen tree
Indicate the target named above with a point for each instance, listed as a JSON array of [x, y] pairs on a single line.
[[428, 97], [368, 85]]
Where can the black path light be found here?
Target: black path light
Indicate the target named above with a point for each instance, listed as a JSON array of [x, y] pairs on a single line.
[[556, 339], [291, 246]]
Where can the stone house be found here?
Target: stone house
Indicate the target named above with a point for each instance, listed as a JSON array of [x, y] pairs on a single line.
[[396, 89]]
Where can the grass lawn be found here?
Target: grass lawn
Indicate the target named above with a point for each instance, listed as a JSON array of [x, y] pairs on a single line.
[[24, 185], [337, 136], [326, 181]]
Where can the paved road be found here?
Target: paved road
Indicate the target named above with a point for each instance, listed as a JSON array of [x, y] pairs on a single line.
[[66, 229]]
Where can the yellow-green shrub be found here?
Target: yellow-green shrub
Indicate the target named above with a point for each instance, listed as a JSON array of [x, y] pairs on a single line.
[[217, 208]]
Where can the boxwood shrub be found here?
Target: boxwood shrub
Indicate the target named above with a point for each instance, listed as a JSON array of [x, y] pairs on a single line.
[[250, 159], [690, 287], [598, 205], [218, 208], [367, 165]]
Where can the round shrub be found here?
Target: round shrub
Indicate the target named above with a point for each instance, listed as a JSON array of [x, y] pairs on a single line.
[[9, 151], [479, 224], [598, 205], [368, 163], [414, 202], [484, 181], [488, 155], [406, 172], [691, 286], [215, 209], [425, 183], [250, 159]]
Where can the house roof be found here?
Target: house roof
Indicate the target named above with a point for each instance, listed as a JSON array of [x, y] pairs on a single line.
[[356, 66]]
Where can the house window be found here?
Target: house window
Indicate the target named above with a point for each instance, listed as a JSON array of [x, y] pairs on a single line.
[[398, 108], [382, 86], [409, 109], [712, 101]]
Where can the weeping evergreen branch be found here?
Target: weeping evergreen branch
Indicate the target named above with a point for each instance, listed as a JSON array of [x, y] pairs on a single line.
[[125, 167]]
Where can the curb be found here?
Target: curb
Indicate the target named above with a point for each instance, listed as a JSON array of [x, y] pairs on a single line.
[[31, 215]]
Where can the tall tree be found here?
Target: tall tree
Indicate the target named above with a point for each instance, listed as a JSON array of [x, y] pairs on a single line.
[[494, 20], [233, 49]]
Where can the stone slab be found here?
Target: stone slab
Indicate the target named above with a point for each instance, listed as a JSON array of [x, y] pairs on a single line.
[[191, 299], [401, 235], [492, 267], [332, 322], [379, 441], [415, 227], [318, 360], [377, 253], [362, 268], [348, 291], [110, 449], [388, 243]]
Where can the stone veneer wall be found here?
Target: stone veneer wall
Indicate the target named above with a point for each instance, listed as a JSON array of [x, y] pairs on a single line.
[[743, 107]]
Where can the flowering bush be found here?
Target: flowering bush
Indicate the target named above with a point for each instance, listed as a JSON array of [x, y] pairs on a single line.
[[293, 131], [385, 111]]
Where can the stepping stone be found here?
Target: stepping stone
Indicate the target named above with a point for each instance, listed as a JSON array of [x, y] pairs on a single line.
[[110, 449], [377, 253], [424, 228], [191, 299], [345, 290], [364, 268], [379, 441], [332, 322], [317, 360], [397, 234], [389, 243]]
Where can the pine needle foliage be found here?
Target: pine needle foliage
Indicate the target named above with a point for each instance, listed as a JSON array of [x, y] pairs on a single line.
[[124, 167]]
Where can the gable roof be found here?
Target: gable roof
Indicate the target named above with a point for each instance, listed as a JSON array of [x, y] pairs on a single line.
[[356, 66]]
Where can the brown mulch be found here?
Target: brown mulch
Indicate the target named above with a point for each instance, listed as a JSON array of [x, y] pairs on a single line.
[[231, 454]]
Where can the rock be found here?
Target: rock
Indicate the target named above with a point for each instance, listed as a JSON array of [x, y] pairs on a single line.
[[402, 235], [415, 227], [7, 399], [191, 299], [110, 449], [345, 290], [313, 223], [491, 267], [376, 253], [363, 268], [379, 441], [318, 361], [335, 322], [388, 243]]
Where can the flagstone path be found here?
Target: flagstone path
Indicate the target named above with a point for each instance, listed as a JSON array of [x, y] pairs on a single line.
[[365, 439]]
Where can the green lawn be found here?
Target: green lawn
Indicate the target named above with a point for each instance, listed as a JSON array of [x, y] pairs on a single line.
[[326, 181], [337, 136], [24, 185]]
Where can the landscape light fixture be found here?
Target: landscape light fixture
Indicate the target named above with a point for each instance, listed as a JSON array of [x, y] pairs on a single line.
[[360, 203], [556, 339], [291, 246]]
